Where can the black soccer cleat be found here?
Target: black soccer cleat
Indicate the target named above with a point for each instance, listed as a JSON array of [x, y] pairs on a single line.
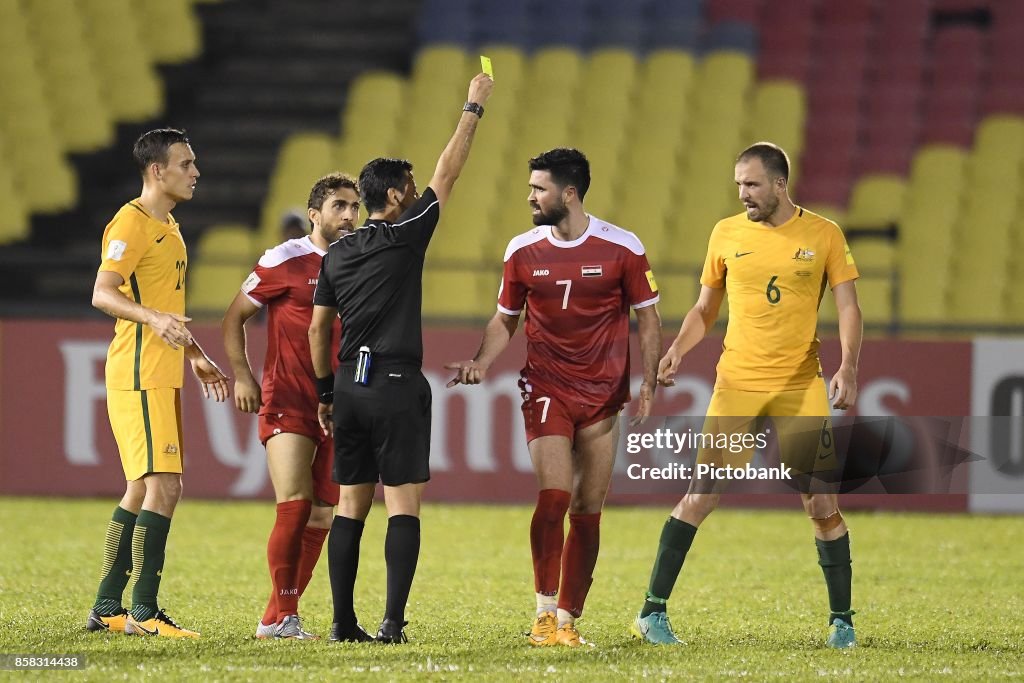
[[355, 634], [392, 632]]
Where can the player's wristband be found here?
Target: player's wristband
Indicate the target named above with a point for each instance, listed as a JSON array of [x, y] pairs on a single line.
[[325, 389], [474, 108]]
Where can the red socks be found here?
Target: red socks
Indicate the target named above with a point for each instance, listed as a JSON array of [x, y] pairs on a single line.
[[312, 543], [546, 535], [283, 556], [578, 561]]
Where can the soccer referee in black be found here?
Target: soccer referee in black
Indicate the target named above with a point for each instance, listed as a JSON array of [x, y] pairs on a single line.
[[380, 401]]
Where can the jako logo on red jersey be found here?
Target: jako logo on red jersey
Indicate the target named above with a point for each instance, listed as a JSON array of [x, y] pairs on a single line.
[[540, 272]]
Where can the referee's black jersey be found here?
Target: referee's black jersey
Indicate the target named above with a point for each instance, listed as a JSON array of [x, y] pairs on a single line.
[[374, 276]]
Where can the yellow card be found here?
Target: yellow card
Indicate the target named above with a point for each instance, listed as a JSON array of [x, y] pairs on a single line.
[[485, 66]]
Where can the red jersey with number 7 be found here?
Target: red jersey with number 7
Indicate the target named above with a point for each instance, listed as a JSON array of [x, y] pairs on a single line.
[[283, 281], [577, 296]]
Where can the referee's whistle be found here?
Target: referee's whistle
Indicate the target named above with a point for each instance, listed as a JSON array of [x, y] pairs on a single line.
[[363, 366]]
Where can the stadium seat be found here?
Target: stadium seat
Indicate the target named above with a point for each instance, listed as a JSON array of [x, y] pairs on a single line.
[[874, 294], [14, 223], [459, 293], [81, 119], [678, 290], [874, 255], [228, 244], [607, 86], [120, 59], [876, 201], [779, 115], [212, 286], [302, 159], [171, 32], [369, 126]]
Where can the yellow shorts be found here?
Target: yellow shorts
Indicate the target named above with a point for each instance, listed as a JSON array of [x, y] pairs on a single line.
[[801, 419], [147, 428]]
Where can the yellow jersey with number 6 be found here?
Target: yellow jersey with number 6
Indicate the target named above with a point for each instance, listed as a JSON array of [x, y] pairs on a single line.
[[774, 278], [150, 256]]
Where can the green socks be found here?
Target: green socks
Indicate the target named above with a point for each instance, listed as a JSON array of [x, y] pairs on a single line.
[[676, 538], [834, 558], [117, 562], [148, 544]]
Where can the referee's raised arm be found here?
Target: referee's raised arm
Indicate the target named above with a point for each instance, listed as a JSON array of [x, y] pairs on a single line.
[[453, 158]]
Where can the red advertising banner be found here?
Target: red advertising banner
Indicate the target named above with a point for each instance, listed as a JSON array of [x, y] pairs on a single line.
[[56, 438]]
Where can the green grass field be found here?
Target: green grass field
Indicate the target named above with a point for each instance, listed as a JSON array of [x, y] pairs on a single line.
[[938, 597]]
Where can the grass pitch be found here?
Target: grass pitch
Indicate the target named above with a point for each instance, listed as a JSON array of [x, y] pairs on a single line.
[[938, 597]]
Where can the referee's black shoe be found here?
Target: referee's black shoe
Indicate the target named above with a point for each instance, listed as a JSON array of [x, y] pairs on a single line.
[[353, 634], [391, 632]]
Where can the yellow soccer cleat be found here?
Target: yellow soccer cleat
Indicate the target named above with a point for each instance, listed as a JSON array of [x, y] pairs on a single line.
[[160, 625], [542, 633], [100, 622], [568, 636]]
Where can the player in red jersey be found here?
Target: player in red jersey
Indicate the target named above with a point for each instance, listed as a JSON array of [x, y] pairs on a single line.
[[577, 276], [299, 455]]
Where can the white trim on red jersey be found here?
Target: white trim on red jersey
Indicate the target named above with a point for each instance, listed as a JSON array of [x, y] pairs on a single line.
[[649, 302], [597, 228], [275, 256]]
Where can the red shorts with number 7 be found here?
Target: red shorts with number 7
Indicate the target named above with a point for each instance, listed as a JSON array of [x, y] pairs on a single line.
[[547, 414]]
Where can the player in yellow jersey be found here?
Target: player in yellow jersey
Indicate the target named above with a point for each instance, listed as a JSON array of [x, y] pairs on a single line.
[[141, 282], [775, 261]]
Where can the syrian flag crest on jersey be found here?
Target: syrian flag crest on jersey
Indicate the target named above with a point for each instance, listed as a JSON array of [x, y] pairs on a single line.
[[591, 271]]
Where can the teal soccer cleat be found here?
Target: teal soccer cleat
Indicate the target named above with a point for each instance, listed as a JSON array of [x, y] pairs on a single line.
[[655, 629], [841, 635]]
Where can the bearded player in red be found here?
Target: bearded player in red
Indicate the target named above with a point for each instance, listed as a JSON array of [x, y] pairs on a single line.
[[299, 455], [577, 277]]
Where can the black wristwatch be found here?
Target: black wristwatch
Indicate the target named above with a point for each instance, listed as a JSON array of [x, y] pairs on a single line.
[[474, 108]]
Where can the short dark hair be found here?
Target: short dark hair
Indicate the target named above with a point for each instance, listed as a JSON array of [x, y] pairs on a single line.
[[773, 158], [567, 166], [152, 147], [379, 176], [328, 185]]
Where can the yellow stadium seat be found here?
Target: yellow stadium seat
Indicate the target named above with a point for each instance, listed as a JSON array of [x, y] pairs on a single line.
[[132, 90], [369, 124], [170, 29], [873, 255], [876, 201], [81, 119], [923, 290], [460, 293], [14, 222], [302, 159], [874, 294], [936, 178], [778, 115], [227, 243], [1000, 135], [212, 286], [678, 290]]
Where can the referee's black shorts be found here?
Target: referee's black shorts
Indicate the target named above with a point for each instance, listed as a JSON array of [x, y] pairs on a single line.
[[382, 430]]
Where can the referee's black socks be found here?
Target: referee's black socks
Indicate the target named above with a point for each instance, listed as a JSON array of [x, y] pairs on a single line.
[[401, 552], [342, 565]]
